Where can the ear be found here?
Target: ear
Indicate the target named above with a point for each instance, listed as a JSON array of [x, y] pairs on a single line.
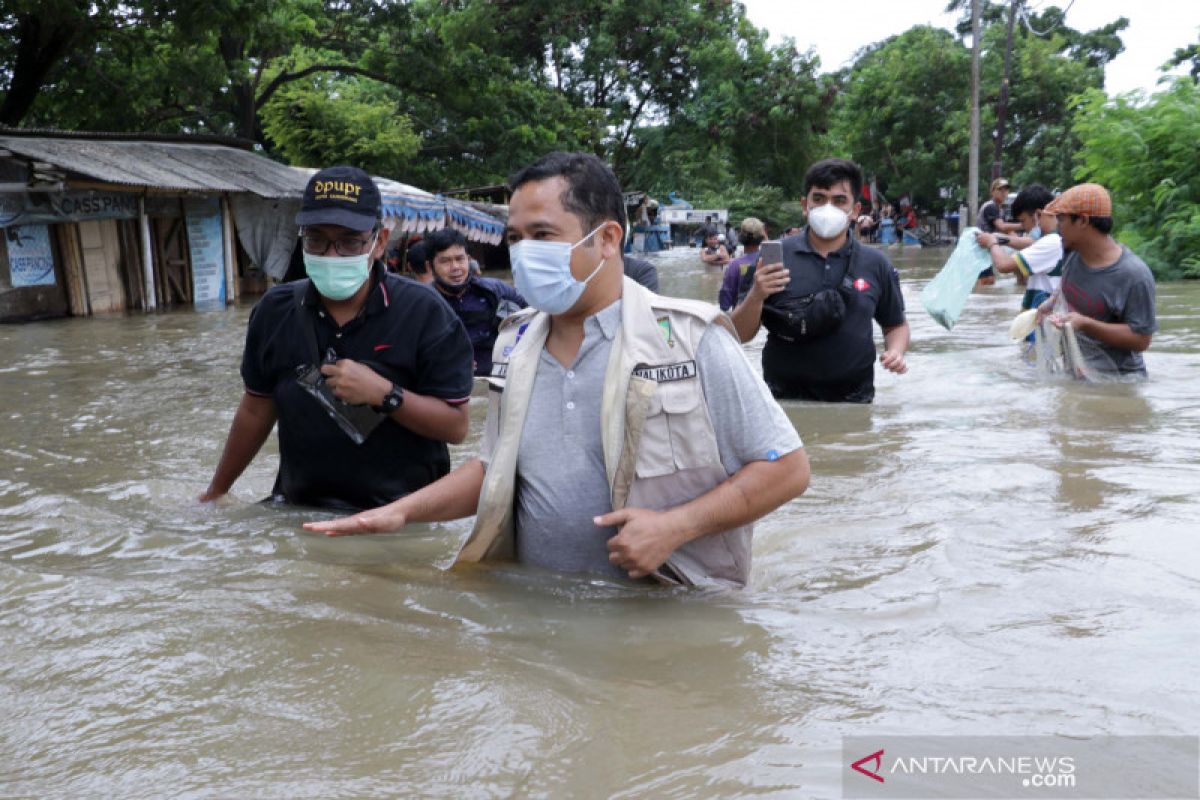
[[804, 204], [612, 239], [381, 243], [857, 210]]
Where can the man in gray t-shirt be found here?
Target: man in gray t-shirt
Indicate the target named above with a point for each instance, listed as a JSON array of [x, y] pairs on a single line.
[[1109, 291]]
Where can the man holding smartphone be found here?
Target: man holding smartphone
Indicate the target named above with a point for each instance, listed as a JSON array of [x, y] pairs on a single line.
[[818, 295]]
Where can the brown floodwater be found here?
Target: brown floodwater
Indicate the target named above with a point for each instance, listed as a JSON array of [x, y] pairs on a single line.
[[985, 550]]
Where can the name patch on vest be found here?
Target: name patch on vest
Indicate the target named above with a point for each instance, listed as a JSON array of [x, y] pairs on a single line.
[[499, 370], [668, 372]]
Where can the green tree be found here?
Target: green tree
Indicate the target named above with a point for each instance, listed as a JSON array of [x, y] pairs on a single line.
[[1187, 55], [38, 38], [1147, 154], [902, 113], [755, 118], [1049, 70], [326, 119], [777, 208]]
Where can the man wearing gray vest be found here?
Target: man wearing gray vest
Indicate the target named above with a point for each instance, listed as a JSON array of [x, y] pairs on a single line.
[[627, 435]]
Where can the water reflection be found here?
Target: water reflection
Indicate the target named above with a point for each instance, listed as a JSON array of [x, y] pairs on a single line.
[[982, 551]]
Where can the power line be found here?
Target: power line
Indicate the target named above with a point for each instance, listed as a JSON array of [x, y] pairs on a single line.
[[1050, 30]]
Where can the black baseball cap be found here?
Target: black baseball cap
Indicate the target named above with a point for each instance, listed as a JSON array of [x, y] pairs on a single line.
[[343, 196]]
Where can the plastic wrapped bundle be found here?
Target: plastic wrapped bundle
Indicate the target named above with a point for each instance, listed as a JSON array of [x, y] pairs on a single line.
[[1062, 350]]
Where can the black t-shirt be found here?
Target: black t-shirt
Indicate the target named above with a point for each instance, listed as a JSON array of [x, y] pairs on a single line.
[[847, 355], [407, 334], [989, 215], [642, 271]]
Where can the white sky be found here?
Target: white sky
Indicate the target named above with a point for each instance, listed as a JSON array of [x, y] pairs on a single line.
[[837, 29]]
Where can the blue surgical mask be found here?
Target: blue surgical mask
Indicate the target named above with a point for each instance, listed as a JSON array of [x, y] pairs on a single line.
[[338, 277], [1036, 232], [542, 273]]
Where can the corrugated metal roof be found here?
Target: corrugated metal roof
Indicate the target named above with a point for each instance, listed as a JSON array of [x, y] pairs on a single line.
[[163, 165]]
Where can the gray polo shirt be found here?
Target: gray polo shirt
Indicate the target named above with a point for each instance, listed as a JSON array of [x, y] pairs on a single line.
[[561, 481]]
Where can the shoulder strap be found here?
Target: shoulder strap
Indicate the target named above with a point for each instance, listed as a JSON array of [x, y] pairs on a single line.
[[307, 323]]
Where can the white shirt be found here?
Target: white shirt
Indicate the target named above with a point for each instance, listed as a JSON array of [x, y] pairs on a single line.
[[1041, 262]]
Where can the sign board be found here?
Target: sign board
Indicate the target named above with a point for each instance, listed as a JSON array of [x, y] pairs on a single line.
[[30, 258], [692, 216], [207, 251], [27, 208]]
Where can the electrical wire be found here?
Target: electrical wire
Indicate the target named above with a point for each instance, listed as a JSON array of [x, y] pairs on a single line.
[[1050, 30]]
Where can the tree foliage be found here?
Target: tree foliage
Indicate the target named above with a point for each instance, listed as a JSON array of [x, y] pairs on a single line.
[[904, 106], [678, 95], [1147, 154], [433, 92], [903, 114]]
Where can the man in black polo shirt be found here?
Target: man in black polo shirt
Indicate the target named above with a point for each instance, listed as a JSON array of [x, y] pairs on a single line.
[[818, 304], [367, 373]]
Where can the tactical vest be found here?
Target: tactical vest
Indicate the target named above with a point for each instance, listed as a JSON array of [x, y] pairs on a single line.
[[660, 450]]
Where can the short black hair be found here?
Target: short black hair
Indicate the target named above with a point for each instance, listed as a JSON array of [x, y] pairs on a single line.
[[1102, 224], [1033, 197], [824, 174], [416, 257], [593, 193], [442, 240]]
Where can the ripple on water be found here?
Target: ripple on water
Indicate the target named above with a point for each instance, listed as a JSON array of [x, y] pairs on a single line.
[[982, 551]]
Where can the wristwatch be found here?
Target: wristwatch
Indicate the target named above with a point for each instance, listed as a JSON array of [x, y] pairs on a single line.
[[392, 400]]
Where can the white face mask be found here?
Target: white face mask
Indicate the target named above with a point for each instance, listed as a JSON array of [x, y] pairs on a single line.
[[827, 221], [542, 273]]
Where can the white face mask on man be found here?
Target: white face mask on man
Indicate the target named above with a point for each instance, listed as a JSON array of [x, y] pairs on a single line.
[[827, 221], [542, 273]]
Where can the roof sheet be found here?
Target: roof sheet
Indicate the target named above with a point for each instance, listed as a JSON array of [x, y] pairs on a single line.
[[163, 165]]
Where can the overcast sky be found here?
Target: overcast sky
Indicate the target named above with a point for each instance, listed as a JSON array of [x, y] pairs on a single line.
[[837, 29]]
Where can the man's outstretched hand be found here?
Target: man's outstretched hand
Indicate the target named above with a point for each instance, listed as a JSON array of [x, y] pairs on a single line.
[[384, 519]]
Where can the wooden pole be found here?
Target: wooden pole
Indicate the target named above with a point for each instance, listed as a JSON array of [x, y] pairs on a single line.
[[973, 167], [150, 300], [231, 288], [1002, 109]]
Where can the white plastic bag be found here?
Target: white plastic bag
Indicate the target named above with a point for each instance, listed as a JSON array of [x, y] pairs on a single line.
[[945, 296]]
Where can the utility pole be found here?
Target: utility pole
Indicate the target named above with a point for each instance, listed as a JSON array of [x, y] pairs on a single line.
[[973, 167], [1002, 109]]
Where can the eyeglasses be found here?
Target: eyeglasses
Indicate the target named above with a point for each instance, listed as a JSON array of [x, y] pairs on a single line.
[[318, 245]]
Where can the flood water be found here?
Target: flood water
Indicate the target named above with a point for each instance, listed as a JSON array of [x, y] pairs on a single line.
[[982, 551]]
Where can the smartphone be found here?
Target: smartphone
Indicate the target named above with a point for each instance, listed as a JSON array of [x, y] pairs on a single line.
[[772, 253]]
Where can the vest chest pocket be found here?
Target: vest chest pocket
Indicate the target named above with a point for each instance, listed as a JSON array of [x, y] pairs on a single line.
[[677, 434], [498, 376]]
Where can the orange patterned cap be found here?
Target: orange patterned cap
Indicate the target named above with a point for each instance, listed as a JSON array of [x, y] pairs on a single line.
[[1086, 198]]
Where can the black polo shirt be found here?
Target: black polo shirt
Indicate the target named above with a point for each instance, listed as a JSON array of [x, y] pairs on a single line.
[[847, 355], [407, 334]]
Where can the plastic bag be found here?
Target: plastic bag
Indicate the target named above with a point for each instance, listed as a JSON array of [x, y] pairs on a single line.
[[945, 296], [1057, 349]]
